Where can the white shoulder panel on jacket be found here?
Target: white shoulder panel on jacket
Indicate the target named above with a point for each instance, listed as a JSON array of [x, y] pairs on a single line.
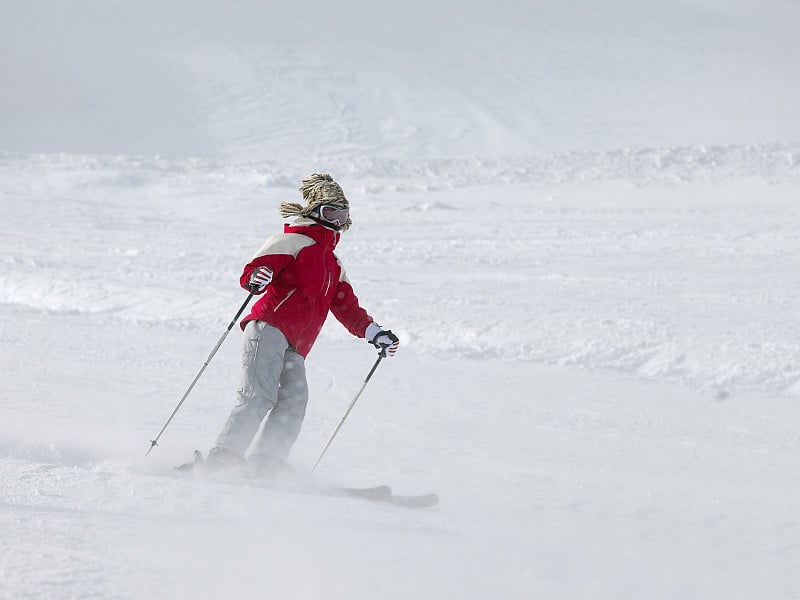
[[285, 243], [343, 273]]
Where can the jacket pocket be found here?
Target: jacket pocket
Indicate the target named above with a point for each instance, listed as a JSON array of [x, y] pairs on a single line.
[[279, 304]]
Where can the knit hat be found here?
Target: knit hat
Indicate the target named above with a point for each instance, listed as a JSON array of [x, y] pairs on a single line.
[[317, 189]]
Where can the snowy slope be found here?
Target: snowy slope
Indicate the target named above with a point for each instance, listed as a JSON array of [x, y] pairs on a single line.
[[580, 217]]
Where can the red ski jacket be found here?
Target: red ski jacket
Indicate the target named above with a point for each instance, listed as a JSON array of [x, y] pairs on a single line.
[[308, 281]]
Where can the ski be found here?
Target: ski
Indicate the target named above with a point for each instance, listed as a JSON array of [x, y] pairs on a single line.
[[384, 493], [418, 501], [247, 476], [379, 493]]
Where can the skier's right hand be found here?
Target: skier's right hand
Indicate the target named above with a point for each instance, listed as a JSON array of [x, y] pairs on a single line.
[[259, 279]]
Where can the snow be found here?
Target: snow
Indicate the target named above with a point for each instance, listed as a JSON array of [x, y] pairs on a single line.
[[581, 219]]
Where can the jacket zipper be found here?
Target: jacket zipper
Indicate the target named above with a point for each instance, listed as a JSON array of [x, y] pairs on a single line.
[[277, 306], [328, 287]]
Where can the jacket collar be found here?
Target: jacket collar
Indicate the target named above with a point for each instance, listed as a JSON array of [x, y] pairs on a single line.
[[318, 233]]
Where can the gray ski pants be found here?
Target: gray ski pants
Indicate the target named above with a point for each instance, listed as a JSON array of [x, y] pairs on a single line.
[[274, 382]]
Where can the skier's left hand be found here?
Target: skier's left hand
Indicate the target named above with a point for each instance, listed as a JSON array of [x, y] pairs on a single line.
[[383, 339]]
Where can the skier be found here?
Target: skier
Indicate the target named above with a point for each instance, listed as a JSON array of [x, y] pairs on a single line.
[[301, 279]]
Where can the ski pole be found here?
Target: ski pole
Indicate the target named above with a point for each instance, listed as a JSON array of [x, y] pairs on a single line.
[[154, 443], [349, 408]]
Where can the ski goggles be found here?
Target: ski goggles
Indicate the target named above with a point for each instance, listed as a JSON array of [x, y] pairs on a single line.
[[336, 215]]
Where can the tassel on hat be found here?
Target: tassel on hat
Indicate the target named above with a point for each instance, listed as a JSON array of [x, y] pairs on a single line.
[[318, 189]]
